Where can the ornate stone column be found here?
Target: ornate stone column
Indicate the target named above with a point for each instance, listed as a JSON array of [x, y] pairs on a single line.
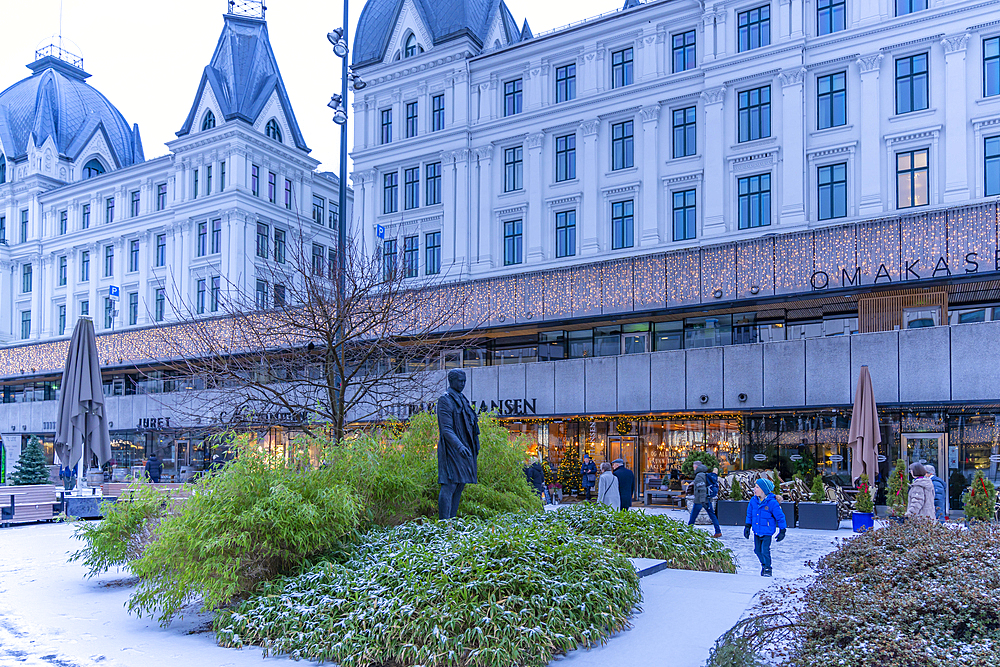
[[714, 196], [462, 215], [147, 257], [483, 260], [535, 226], [591, 205], [793, 208], [870, 155], [649, 213], [956, 138]]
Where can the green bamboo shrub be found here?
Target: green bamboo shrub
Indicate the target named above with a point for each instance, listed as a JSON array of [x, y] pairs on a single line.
[[980, 499], [898, 493], [516, 590]]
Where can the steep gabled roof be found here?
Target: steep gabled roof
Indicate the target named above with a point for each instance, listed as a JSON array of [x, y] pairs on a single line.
[[243, 74]]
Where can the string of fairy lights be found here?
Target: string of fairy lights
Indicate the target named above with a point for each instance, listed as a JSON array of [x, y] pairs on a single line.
[[965, 237]]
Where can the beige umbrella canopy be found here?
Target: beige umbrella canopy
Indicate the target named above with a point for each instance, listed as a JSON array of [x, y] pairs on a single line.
[[864, 436], [82, 424]]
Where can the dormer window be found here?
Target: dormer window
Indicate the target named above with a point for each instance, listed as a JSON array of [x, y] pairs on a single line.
[[410, 49], [209, 122], [93, 168], [272, 130]]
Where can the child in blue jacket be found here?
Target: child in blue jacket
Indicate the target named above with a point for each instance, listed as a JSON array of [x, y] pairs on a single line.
[[763, 515]]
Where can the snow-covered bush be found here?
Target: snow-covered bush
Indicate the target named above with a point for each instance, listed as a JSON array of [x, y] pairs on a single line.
[[516, 590]]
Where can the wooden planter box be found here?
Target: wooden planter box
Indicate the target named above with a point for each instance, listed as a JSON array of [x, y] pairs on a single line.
[[732, 512], [818, 516]]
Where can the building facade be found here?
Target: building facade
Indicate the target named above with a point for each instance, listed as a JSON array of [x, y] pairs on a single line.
[[89, 227], [665, 215]]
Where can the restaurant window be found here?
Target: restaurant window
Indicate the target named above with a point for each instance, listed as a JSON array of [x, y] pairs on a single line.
[[581, 343], [708, 331], [668, 335], [607, 341]]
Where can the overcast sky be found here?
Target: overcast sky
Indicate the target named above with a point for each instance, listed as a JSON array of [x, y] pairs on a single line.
[[147, 57]]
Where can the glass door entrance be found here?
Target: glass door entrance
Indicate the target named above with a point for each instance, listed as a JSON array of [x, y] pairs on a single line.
[[927, 448], [624, 447]]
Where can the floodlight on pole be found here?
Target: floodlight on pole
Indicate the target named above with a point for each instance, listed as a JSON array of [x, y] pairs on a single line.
[[336, 37]]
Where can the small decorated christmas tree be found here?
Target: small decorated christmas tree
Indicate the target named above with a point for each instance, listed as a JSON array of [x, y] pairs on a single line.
[[899, 489], [980, 499], [687, 468], [31, 467], [569, 470], [818, 491], [863, 504]]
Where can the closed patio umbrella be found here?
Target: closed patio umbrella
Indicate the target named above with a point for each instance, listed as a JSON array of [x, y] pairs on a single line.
[[864, 436], [82, 425]]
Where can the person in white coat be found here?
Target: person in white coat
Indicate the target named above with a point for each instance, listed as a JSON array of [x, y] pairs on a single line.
[[607, 488]]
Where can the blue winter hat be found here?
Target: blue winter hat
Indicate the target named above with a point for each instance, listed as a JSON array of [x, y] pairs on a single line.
[[766, 485]]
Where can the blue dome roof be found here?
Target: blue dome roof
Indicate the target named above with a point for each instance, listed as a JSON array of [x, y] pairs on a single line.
[[56, 102]]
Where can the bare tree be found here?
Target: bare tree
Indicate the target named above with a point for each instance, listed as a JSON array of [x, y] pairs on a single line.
[[297, 348]]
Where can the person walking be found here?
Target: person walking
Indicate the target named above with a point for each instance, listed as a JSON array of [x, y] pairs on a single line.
[[588, 475], [920, 502], [154, 468], [939, 492], [764, 515], [607, 488], [536, 477], [626, 483], [702, 498]]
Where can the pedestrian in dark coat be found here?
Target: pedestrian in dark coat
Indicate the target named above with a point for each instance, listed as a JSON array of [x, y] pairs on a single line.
[[588, 475], [626, 482], [536, 477], [154, 468], [939, 495], [701, 499], [764, 516]]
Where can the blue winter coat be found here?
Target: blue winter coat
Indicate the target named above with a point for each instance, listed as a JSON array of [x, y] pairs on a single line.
[[765, 514], [938, 497]]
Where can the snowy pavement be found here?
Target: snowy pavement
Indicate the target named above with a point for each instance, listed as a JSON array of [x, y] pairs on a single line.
[[51, 616]]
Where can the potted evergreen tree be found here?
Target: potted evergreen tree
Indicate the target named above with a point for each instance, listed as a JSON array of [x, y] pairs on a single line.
[[980, 499], [898, 493], [818, 512], [31, 467], [733, 511], [863, 517]]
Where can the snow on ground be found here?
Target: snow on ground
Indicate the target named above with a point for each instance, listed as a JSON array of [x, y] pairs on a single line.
[[52, 616]]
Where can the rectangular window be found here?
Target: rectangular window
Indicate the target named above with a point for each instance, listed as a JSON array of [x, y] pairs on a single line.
[[134, 204], [411, 119], [200, 296], [754, 28], [566, 157], [202, 239], [161, 196], [512, 97], [261, 295], [288, 194], [386, 126], [831, 16], [159, 304], [133, 308], [832, 181], [512, 233], [622, 222], [85, 217], [685, 132], [208, 180], [432, 253], [831, 100], [161, 249], [411, 256], [63, 222], [565, 233], [411, 188], [61, 316], [318, 257], [279, 296], [991, 67], [109, 261], [331, 262], [279, 246], [566, 83], [3, 228], [437, 112], [109, 210], [911, 83], [24, 226], [904, 7], [433, 183], [389, 259], [62, 271], [85, 307], [216, 236], [222, 176], [195, 183], [390, 192], [621, 68], [109, 312], [911, 179], [513, 168], [755, 113], [683, 48], [319, 209], [255, 180], [26, 278], [213, 301], [621, 145], [133, 255], [25, 324], [272, 187], [84, 266], [755, 201], [334, 214], [992, 166], [685, 215], [263, 240]]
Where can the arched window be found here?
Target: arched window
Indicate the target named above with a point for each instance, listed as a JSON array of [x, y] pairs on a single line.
[[93, 168], [410, 49], [272, 130], [3, 169], [209, 121]]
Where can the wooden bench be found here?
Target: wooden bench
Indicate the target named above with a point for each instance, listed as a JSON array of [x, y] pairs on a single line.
[[678, 498], [25, 504], [118, 489]]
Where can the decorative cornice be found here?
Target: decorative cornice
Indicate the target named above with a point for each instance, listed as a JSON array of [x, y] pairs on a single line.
[[683, 178], [928, 133]]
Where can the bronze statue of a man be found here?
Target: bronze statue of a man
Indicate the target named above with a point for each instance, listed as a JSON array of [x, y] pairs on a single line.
[[458, 446]]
